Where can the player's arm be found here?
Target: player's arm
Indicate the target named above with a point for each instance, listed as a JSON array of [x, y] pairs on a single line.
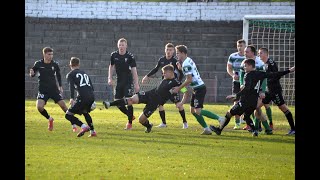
[[58, 74], [135, 79], [33, 70], [186, 82], [71, 88], [152, 72], [230, 69], [110, 73], [278, 74]]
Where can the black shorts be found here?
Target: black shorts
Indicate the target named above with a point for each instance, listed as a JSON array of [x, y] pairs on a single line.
[[243, 108], [197, 98], [81, 105], [56, 96], [277, 98], [235, 87], [124, 91], [151, 102], [175, 98]]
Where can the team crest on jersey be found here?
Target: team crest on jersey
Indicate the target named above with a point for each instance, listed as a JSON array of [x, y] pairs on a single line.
[[266, 66], [125, 59], [52, 67], [116, 59]]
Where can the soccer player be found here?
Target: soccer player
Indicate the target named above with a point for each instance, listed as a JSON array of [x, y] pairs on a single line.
[[152, 98], [248, 95], [47, 71], [233, 69], [127, 77], [193, 79], [164, 60], [80, 81], [274, 92], [250, 53]]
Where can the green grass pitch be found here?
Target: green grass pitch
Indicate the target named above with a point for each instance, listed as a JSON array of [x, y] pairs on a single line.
[[168, 153]]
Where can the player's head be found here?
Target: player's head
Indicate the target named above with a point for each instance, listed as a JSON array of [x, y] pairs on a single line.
[[168, 71], [74, 63], [263, 53], [122, 45], [47, 53], [181, 52], [169, 50], [249, 65], [241, 44], [250, 51]]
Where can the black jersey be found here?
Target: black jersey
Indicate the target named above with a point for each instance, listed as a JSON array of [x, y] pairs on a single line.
[[47, 73], [78, 80], [123, 64], [273, 84], [252, 83], [164, 61], [162, 92]]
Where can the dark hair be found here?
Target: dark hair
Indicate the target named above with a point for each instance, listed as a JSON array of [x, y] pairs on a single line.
[[74, 61], [182, 48], [252, 48], [46, 50], [250, 62], [169, 45], [264, 49], [241, 41], [168, 67]]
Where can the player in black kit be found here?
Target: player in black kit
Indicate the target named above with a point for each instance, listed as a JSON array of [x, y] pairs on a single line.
[[274, 92], [84, 103], [248, 95], [127, 77], [164, 60], [47, 70], [152, 98]]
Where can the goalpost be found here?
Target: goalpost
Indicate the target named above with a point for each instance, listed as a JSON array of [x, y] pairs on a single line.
[[277, 33]]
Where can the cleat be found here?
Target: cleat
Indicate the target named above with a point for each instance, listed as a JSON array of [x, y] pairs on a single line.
[[128, 126], [162, 125], [106, 104], [185, 125], [268, 132], [291, 132], [260, 129], [206, 132], [255, 133], [222, 120], [247, 127], [83, 130], [271, 126], [50, 124], [215, 129], [93, 134], [236, 126], [74, 129], [148, 129]]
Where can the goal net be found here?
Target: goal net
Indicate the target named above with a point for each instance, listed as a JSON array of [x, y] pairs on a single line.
[[277, 33]]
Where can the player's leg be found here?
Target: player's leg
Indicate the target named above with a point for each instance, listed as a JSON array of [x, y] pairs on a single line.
[[58, 99], [77, 108], [119, 95], [196, 106], [147, 112], [236, 89], [129, 93], [236, 109], [283, 107], [175, 99], [162, 114], [266, 102], [40, 103]]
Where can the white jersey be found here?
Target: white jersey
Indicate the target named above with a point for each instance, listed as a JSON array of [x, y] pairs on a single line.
[[259, 64], [189, 67]]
